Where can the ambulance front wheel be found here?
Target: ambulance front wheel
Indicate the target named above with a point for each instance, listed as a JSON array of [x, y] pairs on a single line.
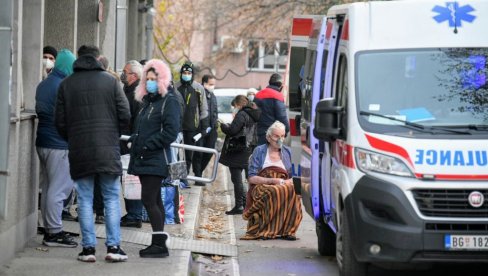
[[326, 239], [347, 262]]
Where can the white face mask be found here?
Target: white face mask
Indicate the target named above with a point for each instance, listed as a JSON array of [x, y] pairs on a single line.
[[210, 88], [251, 98], [47, 63]]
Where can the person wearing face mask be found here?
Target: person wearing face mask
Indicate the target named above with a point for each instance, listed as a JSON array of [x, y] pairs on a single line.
[[156, 127], [273, 210], [49, 54], [251, 93], [130, 78], [272, 104], [235, 155], [200, 160], [55, 182], [195, 115]]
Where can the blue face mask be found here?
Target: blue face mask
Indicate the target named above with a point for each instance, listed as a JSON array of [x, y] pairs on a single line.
[[152, 86], [186, 77]]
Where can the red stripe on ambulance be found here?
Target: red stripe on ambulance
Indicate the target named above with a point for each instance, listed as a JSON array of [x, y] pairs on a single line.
[[389, 147], [302, 26], [344, 153], [345, 31]]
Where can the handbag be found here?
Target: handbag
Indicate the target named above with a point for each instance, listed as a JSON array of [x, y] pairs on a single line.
[[236, 144], [177, 169]]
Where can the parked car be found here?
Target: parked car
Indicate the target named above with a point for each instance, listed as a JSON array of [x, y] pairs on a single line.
[[224, 99]]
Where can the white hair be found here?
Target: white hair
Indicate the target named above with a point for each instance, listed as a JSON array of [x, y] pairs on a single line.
[[135, 67], [276, 125]]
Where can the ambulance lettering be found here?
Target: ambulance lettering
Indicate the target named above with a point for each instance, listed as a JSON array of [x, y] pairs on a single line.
[[451, 157]]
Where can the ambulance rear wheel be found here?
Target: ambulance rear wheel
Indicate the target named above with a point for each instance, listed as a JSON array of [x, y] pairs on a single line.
[[346, 261], [326, 239]]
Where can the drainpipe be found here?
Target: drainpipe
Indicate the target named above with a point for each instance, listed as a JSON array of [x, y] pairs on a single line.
[[121, 35], [151, 12], [5, 89]]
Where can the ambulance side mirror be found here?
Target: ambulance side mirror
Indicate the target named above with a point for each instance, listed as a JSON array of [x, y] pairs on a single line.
[[327, 118]]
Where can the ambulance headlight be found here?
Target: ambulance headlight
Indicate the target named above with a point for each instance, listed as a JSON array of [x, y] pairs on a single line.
[[369, 161]]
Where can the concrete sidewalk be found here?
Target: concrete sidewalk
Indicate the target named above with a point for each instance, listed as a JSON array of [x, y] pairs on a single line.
[[38, 259]]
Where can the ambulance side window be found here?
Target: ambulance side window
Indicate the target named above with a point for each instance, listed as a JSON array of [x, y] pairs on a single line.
[[296, 77], [322, 73], [308, 78], [342, 90]]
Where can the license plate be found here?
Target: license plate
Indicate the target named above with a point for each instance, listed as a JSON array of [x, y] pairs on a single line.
[[466, 242]]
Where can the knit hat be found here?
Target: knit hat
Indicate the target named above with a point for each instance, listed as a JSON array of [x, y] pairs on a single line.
[[276, 79], [187, 67], [50, 50], [64, 62]]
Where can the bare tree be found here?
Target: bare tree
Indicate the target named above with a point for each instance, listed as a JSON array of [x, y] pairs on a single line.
[[270, 20]]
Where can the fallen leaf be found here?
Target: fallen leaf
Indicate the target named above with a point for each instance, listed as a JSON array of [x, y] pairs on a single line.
[[217, 258], [42, 249], [309, 257], [248, 251]]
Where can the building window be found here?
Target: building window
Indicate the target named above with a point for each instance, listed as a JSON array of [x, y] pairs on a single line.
[[264, 56]]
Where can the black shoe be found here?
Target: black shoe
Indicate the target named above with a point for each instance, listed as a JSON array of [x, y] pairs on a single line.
[[115, 254], [154, 251], [237, 210], [199, 184], [65, 215], [87, 255], [99, 219], [61, 239], [131, 223]]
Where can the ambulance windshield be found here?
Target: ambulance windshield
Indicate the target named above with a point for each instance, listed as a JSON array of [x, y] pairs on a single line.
[[434, 87]]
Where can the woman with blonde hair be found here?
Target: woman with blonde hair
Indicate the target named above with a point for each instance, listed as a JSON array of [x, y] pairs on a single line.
[[156, 127]]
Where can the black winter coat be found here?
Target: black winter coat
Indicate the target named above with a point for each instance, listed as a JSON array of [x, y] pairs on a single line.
[[244, 119], [91, 110], [155, 130]]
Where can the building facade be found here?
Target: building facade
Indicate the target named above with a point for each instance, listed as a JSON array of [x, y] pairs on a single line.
[[118, 27]]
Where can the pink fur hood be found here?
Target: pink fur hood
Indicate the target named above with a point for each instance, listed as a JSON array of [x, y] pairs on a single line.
[[164, 78]]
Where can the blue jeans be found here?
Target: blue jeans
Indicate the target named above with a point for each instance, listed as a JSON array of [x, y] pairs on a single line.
[[110, 186], [133, 208]]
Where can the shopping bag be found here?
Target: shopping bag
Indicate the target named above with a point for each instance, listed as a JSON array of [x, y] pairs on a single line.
[[131, 185], [173, 202]]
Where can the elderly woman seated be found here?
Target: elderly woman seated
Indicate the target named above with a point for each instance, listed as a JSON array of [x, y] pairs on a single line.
[[273, 210]]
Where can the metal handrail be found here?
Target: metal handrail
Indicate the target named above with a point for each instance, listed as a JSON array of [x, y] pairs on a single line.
[[194, 148]]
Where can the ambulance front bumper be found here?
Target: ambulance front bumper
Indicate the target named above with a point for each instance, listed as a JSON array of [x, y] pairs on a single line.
[[380, 214]]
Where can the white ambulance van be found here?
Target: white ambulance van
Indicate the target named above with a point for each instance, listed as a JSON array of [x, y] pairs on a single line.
[[395, 168]]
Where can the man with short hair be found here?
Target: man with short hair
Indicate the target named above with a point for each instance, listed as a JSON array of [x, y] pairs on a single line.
[[91, 109], [195, 115], [49, 54], [130, 77], [272, 105], [200, 159]]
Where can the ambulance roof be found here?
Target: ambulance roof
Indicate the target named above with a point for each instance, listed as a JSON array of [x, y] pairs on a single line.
[[414, 24]]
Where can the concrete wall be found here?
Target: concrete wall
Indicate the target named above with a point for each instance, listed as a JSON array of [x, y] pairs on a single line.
[[20, 221], [60, 24], [34, 24]]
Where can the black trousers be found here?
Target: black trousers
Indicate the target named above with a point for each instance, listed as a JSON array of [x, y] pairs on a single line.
[[188, 140], [236, 177], [200, 160], [151, 199]]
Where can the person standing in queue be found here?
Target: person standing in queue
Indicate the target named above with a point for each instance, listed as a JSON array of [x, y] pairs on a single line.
[[200, 159], [236, 156], [156, 127]]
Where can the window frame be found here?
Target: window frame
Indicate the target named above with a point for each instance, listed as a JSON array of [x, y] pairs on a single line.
[[261, 56]]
